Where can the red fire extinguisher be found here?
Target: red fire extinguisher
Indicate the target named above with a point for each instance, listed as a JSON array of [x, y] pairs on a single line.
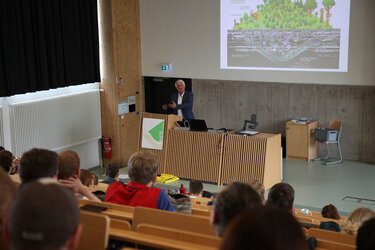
[[107, 147]]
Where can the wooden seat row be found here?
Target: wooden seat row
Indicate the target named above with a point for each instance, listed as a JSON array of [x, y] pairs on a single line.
[[331, 240], [164, 231]]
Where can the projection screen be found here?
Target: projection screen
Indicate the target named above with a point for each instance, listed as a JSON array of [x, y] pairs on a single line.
[[298, 35]]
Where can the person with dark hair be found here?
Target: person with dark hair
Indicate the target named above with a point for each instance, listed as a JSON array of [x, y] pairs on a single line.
[[142, 170], [111, 173], [2, 148], [8, 190], [37, 163], [330, 211], [281, 195], [44, 215], [366, 235], [6, 159], [69, 174], [264, 228], [195, 189], [257, 186], [231, 201]]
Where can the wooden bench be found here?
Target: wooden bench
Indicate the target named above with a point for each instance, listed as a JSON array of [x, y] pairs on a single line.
[[115, 211], [100, 187], [325, 244], [95, 232], [187, 222], [200, 201], [332, 236]]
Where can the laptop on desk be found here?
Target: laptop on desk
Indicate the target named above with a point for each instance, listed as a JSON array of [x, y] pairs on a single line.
[[247, 132], [198, 125]]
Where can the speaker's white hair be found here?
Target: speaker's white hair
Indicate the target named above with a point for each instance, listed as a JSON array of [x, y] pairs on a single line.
[[179, 80]]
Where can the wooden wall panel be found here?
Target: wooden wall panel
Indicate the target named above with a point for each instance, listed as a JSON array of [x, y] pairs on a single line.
[[120, 56], [130, 134], [108, 98]]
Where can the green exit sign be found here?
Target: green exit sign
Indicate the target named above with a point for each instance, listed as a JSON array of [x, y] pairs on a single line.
[[166, 67]]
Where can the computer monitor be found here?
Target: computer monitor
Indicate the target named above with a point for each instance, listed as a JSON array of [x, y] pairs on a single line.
[[250, 124]]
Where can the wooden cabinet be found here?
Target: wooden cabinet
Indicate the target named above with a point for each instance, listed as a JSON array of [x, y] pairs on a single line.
[[300, 142]]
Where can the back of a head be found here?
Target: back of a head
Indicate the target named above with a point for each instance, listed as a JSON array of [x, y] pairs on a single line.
[[257, 186], [356, 219], [43, 215], [142, 167], [6, 158], [86, 177], [68, 164], [281, 195], [330, 211], [264, 228], [195, 187], [95, 178], [112, 170], [231, 201], [366, 236], [8, 190], [37, 163]]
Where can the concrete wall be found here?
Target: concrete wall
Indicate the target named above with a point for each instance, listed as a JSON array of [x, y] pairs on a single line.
[[228, 103]]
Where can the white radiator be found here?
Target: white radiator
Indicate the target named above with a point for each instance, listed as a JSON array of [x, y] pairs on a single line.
[[1, 127], [55, 123]]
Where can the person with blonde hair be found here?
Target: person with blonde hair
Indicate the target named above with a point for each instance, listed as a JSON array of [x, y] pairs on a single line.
[[356, 219], [140, 191]]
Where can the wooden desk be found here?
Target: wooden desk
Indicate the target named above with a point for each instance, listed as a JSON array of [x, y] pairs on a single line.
[[300, 141], [218, 158], [252, 157]]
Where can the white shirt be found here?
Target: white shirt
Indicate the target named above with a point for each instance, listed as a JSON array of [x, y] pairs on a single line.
[[179, 101]]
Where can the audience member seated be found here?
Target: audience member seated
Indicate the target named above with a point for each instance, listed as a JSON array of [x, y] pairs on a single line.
[[142, 170], [69, 172], [232, 200], [44, 215], [195, 189], [330, 211], [356, 219], [37, 163], [257, 186], [6, 159], [281, 195], [8, 190], [111, 173], [95, 179], [264, 228], [86, 177], [366, 236]]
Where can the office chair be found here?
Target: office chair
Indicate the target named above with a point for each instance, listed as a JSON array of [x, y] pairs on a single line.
[[335, 125]]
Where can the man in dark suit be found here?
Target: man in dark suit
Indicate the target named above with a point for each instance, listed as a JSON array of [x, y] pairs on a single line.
[[181, 102]]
